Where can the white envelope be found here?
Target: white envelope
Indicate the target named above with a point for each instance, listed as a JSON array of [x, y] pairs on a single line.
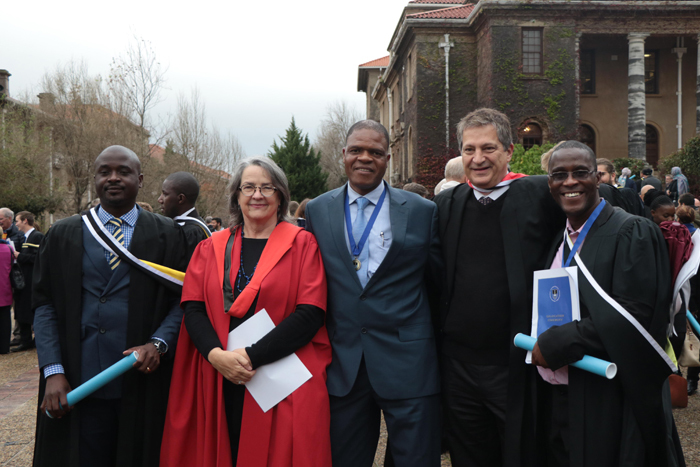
[[271, 383]]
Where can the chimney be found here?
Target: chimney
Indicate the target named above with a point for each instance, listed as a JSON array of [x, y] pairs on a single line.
[[5, 83], [46, 101]]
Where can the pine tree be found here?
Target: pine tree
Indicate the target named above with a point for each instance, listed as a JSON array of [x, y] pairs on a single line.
[[300, 163]]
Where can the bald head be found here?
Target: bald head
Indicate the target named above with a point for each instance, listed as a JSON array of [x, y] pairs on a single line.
[[644, 190], [179, 193], [185, 183], [120, 151], [118, 179]]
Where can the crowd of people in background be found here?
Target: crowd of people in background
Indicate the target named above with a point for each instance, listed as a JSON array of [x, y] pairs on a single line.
[[398, 301]]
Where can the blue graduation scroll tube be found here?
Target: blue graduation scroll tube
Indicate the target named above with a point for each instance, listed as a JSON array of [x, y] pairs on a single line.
[[99, 380], [693, 321], [587, 363]]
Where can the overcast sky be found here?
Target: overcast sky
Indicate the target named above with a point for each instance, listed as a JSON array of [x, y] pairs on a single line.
[[256, 63]]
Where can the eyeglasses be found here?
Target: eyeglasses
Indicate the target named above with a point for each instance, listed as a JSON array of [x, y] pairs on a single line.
[[577, 174], [249, 190]]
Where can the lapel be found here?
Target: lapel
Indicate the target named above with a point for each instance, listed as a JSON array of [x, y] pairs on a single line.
[[336, 218], [590, 249], [398, 215], [460, 195], [553, 249], [144, 235], [96, 254]]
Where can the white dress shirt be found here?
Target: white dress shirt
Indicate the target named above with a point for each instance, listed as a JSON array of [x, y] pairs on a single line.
[[379, 239]]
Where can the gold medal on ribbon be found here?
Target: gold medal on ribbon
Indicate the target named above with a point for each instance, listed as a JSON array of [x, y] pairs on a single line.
[[356, 262]]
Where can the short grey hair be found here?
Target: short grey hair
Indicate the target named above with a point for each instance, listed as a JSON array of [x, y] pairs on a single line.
[[483, 117], [7, 212], [279, 181], [454, 169], [369, 125]]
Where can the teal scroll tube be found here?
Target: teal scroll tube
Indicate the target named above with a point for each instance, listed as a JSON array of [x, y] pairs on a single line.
[[591, 364], [693, 321], [99, 380]]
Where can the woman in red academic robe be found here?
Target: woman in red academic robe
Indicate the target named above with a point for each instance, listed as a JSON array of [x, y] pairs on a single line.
[[261, 262]]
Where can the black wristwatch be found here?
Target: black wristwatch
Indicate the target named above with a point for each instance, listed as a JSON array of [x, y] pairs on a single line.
[[161, 346]]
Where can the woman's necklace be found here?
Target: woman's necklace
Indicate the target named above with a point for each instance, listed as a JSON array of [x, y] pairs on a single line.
[[241, 271]]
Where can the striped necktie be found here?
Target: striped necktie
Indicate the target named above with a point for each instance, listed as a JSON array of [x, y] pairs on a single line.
[[358, 228], [119, 235]]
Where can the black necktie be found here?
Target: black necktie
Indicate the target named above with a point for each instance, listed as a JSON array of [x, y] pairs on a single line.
[[485, 200]]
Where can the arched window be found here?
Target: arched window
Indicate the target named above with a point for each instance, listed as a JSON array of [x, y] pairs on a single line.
[[652, 146], [587, 136], [530, 135]]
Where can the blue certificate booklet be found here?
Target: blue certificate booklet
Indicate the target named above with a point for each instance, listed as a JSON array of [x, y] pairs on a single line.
[[555, 300]]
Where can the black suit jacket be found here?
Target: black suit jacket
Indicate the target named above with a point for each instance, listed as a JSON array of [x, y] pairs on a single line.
[[26, 258], [194, 232], [529, 221]]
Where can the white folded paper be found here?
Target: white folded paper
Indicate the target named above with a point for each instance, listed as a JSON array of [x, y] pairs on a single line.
[[271, 383]]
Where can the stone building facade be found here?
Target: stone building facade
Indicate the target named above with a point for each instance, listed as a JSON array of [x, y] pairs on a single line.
[[622, 76]]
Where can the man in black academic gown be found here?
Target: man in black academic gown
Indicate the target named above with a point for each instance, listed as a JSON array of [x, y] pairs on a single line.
[[178, 196], [91, 309], [588, 420], [494, 232], [23, 298], [617, 196]]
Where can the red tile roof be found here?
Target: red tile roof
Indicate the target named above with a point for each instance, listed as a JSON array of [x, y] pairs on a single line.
[[380, 62], [456, 12], [156, 152]]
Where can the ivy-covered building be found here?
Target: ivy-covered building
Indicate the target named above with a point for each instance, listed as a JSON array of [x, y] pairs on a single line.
[[622, 76]]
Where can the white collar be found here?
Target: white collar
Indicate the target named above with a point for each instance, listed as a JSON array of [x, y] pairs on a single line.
[[29, 232], [494, 195], [187, 213], [373, 195]]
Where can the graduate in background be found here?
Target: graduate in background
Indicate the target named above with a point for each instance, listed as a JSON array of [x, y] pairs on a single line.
[[91, 309], [590, 421], [178, 195]]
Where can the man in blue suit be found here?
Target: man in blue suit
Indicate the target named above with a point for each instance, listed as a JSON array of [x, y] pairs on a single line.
[[381, 251]]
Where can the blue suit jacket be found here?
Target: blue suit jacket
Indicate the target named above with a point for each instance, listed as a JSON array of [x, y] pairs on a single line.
[[389, 321]]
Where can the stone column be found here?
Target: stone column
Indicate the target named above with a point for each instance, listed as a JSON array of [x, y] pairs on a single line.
[[697, 92], [636, 97]]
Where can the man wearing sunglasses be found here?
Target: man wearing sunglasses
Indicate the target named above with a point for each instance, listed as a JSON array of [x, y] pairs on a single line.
[[590, 420]]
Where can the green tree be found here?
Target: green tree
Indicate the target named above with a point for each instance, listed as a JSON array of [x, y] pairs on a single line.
[[528, 161], [300, 163], [24, 158]]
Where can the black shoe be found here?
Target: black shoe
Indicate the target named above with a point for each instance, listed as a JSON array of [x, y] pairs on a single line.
[[14, 342], [692, 387], [22, 347]]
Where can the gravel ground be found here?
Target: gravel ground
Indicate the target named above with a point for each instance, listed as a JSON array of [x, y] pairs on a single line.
[[17, 429], [687, 422]]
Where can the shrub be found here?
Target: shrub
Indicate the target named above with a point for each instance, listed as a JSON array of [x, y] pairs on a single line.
[[528, 162]]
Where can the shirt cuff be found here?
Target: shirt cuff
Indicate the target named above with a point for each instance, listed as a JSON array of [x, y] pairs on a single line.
[[163, 341], [53, 369]]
